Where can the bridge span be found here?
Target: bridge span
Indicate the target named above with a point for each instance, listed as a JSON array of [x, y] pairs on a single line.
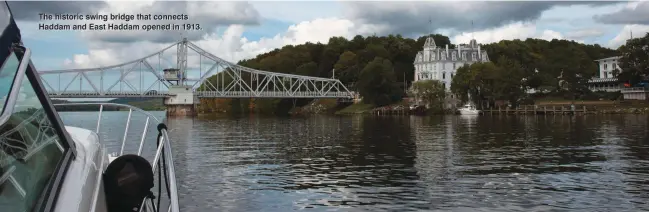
[[182, 76]]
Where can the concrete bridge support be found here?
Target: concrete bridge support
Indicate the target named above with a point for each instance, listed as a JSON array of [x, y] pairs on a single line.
[[181, 102]]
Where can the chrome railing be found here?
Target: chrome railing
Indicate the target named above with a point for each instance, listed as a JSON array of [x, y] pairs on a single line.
[[163, 150]]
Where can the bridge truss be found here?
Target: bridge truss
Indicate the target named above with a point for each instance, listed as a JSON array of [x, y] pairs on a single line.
[[206, 74]]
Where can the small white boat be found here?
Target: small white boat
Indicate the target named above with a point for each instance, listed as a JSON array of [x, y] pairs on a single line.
[[469, 109], [47, 166]]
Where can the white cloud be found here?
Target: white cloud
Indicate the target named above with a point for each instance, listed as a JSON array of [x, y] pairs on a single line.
[[584, 33], [209, 15], [625, 34], [231, 45], [519, 30]]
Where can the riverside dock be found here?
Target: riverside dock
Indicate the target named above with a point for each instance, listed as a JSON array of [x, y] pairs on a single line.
[[535, 109]]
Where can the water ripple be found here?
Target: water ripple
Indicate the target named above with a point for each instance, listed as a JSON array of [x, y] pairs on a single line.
[[322, 163]]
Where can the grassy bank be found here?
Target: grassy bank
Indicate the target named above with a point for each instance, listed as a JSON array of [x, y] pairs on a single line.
[[358, 108], [317, 106]]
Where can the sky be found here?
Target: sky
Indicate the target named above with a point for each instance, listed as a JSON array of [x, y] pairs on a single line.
[[238, 30]]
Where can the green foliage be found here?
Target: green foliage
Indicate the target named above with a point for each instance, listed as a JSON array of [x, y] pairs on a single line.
[[377, 83], [432, 92], [377, 67], [347, 69], [634, 61], [563, 67]]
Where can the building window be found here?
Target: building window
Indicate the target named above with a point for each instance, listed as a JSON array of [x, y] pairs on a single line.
[[454, 56], [443, 75], [451, 75], [605, 66], [454, 66], [433, 54], [614, 66], [605, 74], [473, 56], [443, 56], [463, 55], [443, 66]]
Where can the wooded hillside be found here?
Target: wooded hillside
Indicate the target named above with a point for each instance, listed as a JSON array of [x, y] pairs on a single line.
[[380, 68]]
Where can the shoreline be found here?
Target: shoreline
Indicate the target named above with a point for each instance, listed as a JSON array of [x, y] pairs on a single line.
[[400, 109]]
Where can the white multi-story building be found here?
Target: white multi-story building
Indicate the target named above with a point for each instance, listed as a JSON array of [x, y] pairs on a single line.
[[607, 65], [433, 63], [606, 81]]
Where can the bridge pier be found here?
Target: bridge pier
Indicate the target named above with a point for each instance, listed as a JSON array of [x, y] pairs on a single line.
[[180, 102]]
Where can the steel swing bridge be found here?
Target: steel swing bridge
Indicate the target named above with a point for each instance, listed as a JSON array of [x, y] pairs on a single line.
[[196, 71]]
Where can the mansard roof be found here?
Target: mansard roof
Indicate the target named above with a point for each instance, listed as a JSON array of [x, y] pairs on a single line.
[[473, 43], [430, 42]]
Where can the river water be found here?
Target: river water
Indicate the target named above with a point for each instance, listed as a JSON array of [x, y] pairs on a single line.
[[365, 163]]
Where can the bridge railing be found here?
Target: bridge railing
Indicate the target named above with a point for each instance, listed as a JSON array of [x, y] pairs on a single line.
[[207, 94], [274, 94]]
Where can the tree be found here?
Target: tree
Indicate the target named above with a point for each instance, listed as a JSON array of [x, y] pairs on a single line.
[[500, 79], [307, 69], [635, 60], [347, 69], [461, 82], [509, 80], [377, 83], [432, 92]]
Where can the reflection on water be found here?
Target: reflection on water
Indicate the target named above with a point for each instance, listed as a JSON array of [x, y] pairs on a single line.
[[453, 163]]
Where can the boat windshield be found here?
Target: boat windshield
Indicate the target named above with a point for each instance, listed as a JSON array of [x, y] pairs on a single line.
[[31, 138], [8, 71], [30, 148], [7, 75]]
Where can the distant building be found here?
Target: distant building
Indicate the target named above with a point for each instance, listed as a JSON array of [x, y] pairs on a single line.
[[606, 81], [433, 63]]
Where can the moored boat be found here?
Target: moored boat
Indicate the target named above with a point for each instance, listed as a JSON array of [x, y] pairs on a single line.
[[468, 109]]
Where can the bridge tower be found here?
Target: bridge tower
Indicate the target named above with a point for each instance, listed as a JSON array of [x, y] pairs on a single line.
[[181, 100]]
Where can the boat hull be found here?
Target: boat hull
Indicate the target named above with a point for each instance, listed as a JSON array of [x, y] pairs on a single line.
[[469, 112]]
